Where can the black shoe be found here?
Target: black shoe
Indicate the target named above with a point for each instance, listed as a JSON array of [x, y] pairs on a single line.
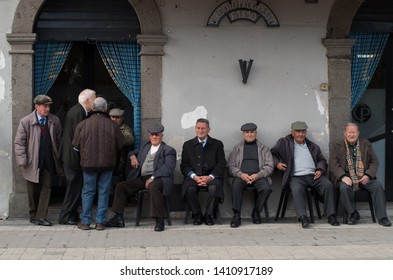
[[236, 221], [160, 225], [209, 220], [32, 220], [385, 222], [198, 219], [43, 222], [116, 221], [256, 217], [353, 218], [69, 222], [333, 220], [305, 221]]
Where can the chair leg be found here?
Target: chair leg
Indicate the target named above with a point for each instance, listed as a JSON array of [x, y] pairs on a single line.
[[218, 214], [284, 207], [187, 214], [310, 207], [139, 207], [279, 205], [167, 213], [370, 203], [266, 209]]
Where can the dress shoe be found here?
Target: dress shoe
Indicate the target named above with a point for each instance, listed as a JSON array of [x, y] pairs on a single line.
[[83, 226], [116, 221], [32, 220], [100, 227], [354, 218], [160, 225], [209, 220], [385, 222], [43, 222], [198, 219], [256, 217], [333, 220], [305, 221], [236, 221]]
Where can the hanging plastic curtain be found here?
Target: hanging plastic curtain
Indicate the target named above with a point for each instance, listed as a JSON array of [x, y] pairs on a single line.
[[122, 61], [48, 61], [366, 53]]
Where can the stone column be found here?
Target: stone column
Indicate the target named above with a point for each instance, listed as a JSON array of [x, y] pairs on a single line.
[[22, 99], [151, 77], [339, 73]]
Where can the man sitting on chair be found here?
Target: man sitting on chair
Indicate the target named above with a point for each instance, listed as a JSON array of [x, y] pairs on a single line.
[[153, 165]]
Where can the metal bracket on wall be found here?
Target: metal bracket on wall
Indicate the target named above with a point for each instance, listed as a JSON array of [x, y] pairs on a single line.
[[245, 68]]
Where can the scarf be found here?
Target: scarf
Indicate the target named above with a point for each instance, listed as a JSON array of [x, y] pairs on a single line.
[[356, 169]]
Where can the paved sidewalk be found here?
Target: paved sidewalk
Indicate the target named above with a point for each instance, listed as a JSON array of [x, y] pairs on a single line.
[[281, 240]]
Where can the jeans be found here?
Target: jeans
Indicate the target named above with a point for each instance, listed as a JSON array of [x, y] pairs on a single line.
[[93, 181]]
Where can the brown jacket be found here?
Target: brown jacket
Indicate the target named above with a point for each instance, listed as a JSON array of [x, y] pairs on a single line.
[[27, 145], [338, 160]]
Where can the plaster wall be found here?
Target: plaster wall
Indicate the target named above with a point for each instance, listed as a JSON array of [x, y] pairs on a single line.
[[7, 10]]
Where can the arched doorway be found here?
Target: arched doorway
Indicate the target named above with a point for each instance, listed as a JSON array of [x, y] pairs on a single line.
[[22, 42]]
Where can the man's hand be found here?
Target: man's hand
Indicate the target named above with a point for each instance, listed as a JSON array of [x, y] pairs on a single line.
[[365, 180], [134, 162], [347, 180], [147, 183], [281, 166], [202, 181], [317, 174], [249, 179]]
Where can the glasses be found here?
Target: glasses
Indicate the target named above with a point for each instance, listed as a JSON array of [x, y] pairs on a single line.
[[115, 117], [155, 134]]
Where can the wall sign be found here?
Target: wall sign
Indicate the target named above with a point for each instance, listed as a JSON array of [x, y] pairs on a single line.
[[251, 10], [361, 113]]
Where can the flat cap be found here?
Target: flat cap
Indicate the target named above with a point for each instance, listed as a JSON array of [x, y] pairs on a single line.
[[248, 127], [116, 112], [155, 128], [298, 125], [42, 99]]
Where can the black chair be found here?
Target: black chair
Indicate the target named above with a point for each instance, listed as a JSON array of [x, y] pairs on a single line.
[[140, 195], [216, 211], [284, 201], [370, 203]]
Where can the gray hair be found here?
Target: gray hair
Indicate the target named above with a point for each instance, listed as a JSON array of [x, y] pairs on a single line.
[[100, 104], [351, 124], [85, 95]]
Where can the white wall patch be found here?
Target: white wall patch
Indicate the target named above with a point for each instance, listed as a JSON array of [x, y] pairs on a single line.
[[188, 119], [2, 89], [2, 60]]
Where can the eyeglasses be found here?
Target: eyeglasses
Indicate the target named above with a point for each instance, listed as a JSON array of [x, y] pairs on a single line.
[[115, 117], [155, 134]]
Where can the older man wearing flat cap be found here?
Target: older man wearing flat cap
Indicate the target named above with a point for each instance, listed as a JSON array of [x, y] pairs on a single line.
[[153, 165], [303, 165], [36, 144], [250, 164]]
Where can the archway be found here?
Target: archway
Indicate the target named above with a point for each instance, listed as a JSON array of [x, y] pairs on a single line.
[[22, 42]]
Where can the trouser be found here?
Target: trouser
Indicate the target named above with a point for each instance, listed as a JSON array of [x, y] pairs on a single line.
[[39, 194], [126, 188], [374, 187], [322, 186], [72, 198], [262, 188]]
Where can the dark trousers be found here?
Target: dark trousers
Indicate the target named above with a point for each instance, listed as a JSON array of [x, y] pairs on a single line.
[[238, 187], [72, 198], [126, 188], [191, 196], [39, 194], [322, 186], [374, 187]]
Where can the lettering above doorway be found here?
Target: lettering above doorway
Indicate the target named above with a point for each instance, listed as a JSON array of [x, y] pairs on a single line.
[[251, 10]]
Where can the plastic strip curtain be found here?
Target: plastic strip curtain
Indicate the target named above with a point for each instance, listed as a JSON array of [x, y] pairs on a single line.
[[366, 53], [122, 61], [48, 61]]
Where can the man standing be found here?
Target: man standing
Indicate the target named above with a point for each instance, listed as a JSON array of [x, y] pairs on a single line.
[[69, 214], [98, 139], [354, 165], [304, 166], [153, 165], [203, 165], [250, 164], [36, 151], [117, 115]]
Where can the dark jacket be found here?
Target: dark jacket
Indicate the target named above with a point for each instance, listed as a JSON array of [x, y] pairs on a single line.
[[338, 160], [164, 164], [284, 150], [98, 140], [67, 153]]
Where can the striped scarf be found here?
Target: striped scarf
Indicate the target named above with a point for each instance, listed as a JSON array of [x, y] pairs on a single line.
[[356, 169]]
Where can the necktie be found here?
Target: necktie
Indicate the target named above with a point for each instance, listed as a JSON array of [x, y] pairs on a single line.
[[42, 124]]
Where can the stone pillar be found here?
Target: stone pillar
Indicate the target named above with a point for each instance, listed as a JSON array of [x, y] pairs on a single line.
[[22, 99], [151, 77], [339, 73]]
